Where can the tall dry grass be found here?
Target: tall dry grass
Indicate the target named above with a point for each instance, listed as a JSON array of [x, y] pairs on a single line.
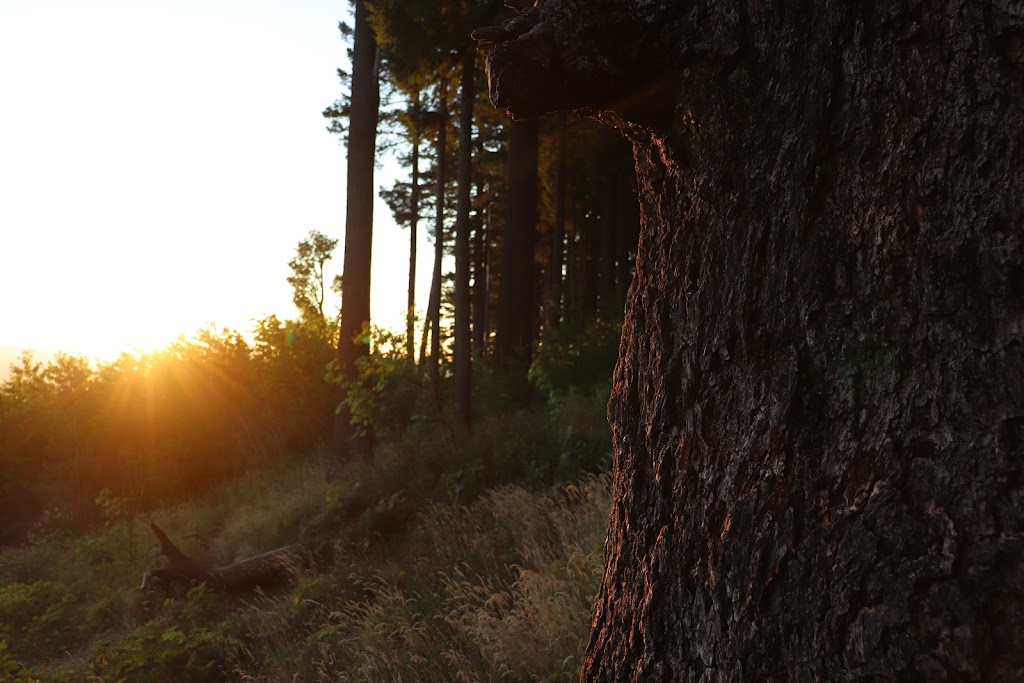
[[500, 589]]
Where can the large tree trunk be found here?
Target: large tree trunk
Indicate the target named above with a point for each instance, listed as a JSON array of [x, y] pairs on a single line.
[[463, 342], [514, 332], [818, 410], [353, 343]]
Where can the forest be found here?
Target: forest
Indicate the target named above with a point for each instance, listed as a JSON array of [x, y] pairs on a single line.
[[543, 300], [490, 485], [721, 376]]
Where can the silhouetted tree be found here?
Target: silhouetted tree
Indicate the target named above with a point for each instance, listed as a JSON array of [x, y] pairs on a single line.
[[309, 287], [516, 300], [353, 342], [463, 342]]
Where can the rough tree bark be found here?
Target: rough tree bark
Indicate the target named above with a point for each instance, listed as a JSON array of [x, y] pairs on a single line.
[[818, 409]]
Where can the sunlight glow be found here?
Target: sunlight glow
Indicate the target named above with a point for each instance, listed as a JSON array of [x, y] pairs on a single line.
[[158, 164]]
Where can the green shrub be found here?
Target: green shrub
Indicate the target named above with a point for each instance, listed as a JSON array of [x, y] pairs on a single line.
[[387, 390], [188, 641], [574, 357], [13, 671], [39, 619]]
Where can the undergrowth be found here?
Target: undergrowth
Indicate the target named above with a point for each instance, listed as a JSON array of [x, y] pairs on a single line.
[[442, 561]]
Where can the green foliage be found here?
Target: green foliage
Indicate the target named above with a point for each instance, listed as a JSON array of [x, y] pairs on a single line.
[[451, 558], [572, 357], [387, 392], [186, 642], [97, 444], [37, 618], [12, 670], [308, 280], [112, 508], [54, 522]]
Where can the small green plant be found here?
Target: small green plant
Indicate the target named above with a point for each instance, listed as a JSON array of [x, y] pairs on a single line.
[[12, 670], [188, 641]]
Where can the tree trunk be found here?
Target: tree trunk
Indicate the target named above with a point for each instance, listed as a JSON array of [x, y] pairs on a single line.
[[515, 293], [463, 342], [553, 303], [434, 309], [818, 409], [590, 268], [414, 221], [480, 294], [353, 342], [626, 238], [609, 229]]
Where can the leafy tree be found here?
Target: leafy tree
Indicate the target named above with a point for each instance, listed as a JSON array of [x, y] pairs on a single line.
[[309, 288]]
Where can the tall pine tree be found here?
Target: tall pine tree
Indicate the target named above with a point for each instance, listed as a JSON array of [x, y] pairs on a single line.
[[348, 443]]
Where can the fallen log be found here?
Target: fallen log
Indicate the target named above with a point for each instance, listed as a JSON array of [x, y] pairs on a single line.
[[274, 566]]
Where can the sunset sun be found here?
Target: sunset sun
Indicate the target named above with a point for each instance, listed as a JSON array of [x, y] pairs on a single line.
[[159, 165]]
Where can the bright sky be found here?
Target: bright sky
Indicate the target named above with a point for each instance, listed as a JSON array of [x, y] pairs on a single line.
[[159, 162]]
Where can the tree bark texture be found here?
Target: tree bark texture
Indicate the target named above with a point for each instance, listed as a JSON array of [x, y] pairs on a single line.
[[463, 342], [514, 332], [818, 409], [355, 301]]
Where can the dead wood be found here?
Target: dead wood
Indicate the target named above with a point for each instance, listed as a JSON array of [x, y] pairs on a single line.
[[261, 570]]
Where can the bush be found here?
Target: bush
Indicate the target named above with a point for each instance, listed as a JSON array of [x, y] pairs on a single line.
[[186, 642], [39, 619], [12, 670], [574, 357], [387, 389]]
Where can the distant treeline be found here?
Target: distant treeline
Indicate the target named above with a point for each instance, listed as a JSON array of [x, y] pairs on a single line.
[[156, 426]]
